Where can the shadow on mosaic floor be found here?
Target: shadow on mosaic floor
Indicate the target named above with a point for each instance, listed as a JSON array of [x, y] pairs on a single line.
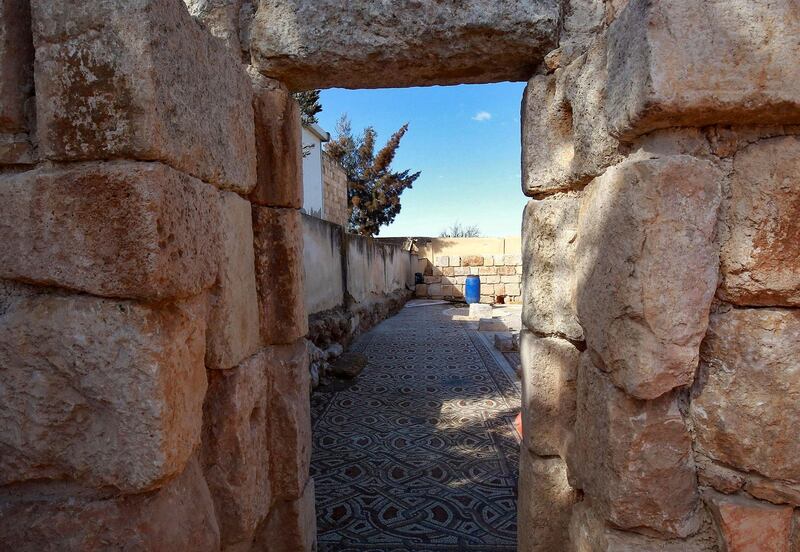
[[420, 452]]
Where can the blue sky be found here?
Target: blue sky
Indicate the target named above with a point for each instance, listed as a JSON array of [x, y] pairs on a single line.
[[464, 139]]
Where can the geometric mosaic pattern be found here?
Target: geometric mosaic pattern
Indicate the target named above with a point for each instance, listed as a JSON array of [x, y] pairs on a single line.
[[420, 452]]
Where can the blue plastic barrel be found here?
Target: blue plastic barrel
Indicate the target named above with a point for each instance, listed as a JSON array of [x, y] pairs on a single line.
[[472, 291]]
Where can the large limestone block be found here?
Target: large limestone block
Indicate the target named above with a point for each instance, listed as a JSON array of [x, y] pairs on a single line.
[[141, 80], [236, 448], [102, 392], [324, 43], [228, 20], [760, 225], [595, 148], [548, 147], [279, 144], [119, 229], [588, 532], [549, 229], [745, 404], [647, 270], [278, 237], [565, 138], [750, 526], [633, 458], [291, 525], [289, 419], [233, 332], [549, 374], [179, 516], [16, 84], [582, 21], [692, 63], [545, 504]]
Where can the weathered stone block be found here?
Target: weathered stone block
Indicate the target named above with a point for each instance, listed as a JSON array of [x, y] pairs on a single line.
[[291, 526], [633, 458], [441, 261], [435, 290], [547, 142], [488, 260], [545, 504], [233, 331], [226, 19], [548, 248], [565, 137], [236, 448], [647, 269], [16, 86], [689, 63], [549, 374], [289, 420], [421, 290], [760, 225], [279, 144], [379, 45], [102, 392], [589, 532], [748, 392], [141, 80], [119, 229], [179, 516], [585, 89], [513, 289], [750, 526], [472, 261], [278, 239]]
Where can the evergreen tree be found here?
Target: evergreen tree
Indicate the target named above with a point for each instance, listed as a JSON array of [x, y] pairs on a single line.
[[373, 189], [309, 106]]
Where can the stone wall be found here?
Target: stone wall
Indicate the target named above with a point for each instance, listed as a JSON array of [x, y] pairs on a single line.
[[445, 263], [446, 276], [334, 192], [662, 279], [351, 282], [152, 316], [154, 369]]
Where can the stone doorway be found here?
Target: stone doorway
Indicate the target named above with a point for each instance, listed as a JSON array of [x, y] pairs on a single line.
[[661, 280]]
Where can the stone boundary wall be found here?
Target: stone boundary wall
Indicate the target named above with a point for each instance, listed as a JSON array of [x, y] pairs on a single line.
[[351, 284], [445, 264], [334, 191], [154, 366], [344, 269], [445, 278]]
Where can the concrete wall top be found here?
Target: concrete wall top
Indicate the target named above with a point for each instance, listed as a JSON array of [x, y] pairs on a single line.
[[437, 247], [364, 44]]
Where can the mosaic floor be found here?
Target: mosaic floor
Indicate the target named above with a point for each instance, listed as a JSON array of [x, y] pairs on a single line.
[[419, 454]]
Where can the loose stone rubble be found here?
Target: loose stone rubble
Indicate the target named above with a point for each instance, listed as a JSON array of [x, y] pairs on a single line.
[[154, 366]]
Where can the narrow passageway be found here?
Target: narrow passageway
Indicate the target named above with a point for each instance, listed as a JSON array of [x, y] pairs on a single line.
[[419, 453]]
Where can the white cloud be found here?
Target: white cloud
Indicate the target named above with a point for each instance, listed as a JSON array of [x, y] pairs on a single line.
[[482, 116]]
